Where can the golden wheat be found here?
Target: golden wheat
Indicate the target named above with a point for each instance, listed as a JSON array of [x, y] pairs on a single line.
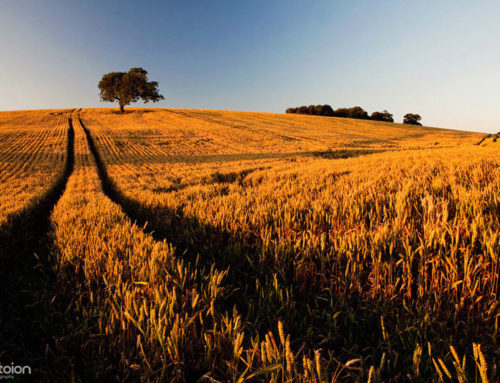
[[227, 246], [32, 155]]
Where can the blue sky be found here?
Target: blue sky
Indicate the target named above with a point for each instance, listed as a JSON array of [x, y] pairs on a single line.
[[438, 59]]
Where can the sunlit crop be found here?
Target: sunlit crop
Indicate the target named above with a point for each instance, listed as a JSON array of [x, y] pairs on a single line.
[[227, 246], [32, 152]]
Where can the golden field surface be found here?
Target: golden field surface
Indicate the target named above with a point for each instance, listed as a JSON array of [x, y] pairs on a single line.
[[214, 246], [32, 154]]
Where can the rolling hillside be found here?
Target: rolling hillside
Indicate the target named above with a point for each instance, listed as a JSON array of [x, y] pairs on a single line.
[[213, 246]]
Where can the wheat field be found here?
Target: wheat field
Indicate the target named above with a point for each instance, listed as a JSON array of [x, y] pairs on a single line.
[[32, 152], [215, 246]]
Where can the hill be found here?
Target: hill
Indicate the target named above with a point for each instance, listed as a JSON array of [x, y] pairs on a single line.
[[188, 245]]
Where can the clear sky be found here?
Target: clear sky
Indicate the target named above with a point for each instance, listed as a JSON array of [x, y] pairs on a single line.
[[440, 59]]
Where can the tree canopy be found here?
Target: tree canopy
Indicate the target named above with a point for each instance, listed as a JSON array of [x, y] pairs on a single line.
[[354, 112], [382, 116], [412, 119], [127, 87]]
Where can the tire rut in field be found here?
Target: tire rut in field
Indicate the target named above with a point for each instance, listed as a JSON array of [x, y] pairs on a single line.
[[108, 187], [27, 323]]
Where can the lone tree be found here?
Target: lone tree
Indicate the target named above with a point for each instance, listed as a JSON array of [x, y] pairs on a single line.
[[412, 119], [128, 87]]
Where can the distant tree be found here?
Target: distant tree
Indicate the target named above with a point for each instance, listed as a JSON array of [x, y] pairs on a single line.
[[302, 110], [354, 112], [326, 110], [412, 119], [128, 87], [316, 110], [382, 116], [342, 112], [357, 112]]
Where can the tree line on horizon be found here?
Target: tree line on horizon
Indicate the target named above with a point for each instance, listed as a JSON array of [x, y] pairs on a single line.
[[354, 112]]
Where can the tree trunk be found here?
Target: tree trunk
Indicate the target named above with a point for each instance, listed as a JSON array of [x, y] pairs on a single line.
[[121, 107]]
